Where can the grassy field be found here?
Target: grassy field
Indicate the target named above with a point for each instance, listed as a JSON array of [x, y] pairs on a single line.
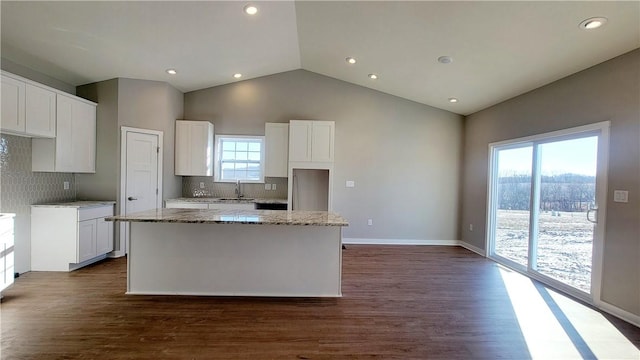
[[565, 242]]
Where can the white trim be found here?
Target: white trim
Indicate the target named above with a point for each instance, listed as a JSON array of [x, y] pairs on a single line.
[[553, 135], [619, 313], [217, 172], [472, 248], [365, 241], [124, 226]]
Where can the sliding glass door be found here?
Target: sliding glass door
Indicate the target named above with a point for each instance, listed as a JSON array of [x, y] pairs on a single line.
[[543, 206]]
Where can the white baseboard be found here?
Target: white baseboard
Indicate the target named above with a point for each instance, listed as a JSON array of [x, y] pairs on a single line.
[[364, 241], [116, 254], [617, 312], [470, 247]]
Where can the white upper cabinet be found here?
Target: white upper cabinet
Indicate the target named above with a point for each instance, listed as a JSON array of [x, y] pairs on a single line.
[[276, 149], [194, 148], [13, 93], [311, 141], [28, 108], [74, 148], [40, 111]]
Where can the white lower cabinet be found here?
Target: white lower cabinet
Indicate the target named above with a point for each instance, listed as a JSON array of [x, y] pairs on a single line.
[[185, 205], [67, 238]]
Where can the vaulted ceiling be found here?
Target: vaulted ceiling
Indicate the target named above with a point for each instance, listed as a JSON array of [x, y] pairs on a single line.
[[499, 49]]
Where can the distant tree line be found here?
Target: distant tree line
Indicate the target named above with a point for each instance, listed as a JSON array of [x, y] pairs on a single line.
[[564, 192]]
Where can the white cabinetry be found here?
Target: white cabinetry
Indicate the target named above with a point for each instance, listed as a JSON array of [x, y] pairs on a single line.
[[276, 149], [40, 111], [231, 205], [13, 93], [311, 141], [28, 109], [74, 148], [194, 148], [67, 238], [6, 250]]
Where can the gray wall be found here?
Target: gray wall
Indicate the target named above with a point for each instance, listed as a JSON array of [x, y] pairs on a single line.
[[141, 104], [403, 156], [608, 91], [154, 105], [14, 68]]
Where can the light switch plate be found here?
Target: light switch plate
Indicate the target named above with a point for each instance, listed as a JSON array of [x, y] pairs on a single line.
[[273, 186], [201, 185], [66, 185], [267, 186], [621, 196], [351, 183]]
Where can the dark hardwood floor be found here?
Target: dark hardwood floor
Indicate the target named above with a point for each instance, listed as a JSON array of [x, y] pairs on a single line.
[[400, 302]]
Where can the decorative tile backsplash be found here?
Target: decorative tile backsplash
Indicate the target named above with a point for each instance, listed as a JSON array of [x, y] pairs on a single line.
[[20, 188], [191, 188]]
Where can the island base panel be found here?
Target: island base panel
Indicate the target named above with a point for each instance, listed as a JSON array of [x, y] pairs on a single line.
[[234, 260]]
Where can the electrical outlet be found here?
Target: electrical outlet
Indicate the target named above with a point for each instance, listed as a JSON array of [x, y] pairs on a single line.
[[267, 186], [370, 222], [273, 186], [350, 183], [66, 185], [470, 227], [621, 196], [201, 185]]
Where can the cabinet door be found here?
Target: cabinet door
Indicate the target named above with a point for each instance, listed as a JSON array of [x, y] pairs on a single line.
[[83, 137], [276, 149], [322, 141], [300, 140], [40, 111], [104, 236], [194, 148], [87, 234], [76, 136], [13, 92]]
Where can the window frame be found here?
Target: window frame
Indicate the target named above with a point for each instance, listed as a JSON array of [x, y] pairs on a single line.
[[217, 171]]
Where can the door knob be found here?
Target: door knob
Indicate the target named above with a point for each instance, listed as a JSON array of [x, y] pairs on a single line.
[[131, 198]]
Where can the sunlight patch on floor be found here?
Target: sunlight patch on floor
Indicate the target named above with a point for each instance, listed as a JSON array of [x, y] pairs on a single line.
[[556, 327]]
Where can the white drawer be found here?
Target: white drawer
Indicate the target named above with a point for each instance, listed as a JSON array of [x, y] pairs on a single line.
[[95, 212]]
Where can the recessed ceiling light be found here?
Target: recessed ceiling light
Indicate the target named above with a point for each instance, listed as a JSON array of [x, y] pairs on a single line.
[[350, 60], [171, 71], [373, 76], [237, 75], [445, 59], [593, 23], [453, 100], [250, 9]]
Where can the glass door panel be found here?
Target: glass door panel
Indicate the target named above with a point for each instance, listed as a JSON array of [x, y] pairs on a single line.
[[513, 201], [567, 191]]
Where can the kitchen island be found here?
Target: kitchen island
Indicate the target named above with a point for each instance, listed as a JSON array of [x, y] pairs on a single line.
[[234, 252]]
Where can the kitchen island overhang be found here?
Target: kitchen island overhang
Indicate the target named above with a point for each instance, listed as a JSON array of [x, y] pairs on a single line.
[[234, 253]]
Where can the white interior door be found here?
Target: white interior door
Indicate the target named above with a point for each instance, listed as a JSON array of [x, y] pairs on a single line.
[[141, 182]]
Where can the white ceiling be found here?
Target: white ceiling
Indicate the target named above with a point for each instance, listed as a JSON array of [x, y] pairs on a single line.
[[500, 49]]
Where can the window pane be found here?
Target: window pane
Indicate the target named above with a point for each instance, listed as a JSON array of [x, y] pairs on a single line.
[[228, 155], [254, 146], [228, 145], [241, 146], [254, 166], [241, 156], [255, 156], [253, 175]]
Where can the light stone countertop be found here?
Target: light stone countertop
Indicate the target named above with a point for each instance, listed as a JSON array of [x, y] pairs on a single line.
[[77, 204], [216, 216], [215, 200]]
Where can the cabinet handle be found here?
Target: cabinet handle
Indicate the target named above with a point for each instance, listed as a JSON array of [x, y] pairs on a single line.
[[131, 198]]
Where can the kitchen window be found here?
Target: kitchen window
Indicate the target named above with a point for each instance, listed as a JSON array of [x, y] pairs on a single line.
[[239, 158]]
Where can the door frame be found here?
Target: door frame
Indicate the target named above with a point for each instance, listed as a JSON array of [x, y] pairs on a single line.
[[124, 226], [602, 130]]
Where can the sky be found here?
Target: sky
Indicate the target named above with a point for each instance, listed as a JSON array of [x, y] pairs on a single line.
[[577, 156]]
